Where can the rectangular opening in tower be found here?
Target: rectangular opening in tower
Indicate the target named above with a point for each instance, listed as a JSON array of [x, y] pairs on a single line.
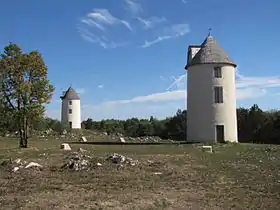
[[220, 133]]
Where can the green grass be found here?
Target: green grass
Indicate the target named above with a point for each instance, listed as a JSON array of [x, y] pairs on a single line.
[[235, 176]]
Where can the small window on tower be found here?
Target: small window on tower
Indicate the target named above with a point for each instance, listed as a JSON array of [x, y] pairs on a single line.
[[70, 111], [218, 95], [70, 102], [218, 72]]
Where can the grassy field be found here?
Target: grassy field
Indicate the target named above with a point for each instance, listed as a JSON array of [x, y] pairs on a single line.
[[234, 176]]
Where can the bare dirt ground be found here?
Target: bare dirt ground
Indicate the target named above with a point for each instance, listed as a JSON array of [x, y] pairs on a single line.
[[234, 176]]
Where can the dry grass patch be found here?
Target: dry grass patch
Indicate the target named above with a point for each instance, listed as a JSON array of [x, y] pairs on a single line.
[[167, 177]]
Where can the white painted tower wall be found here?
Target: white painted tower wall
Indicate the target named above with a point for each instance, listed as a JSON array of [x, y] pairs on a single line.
[[202, 113], [75, 116]]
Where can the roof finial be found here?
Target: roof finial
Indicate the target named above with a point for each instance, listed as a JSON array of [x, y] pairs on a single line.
[[209, 31]]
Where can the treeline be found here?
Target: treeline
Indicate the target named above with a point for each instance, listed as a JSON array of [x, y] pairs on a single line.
[[254, 126], [171, 127]]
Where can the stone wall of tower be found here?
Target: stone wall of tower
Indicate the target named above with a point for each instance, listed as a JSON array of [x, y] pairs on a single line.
[[73, 117], [203, 113]]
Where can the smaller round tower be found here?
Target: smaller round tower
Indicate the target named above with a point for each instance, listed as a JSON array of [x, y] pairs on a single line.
[[71, 108]]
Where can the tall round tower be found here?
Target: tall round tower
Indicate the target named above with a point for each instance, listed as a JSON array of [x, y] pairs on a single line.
[[211, 94], [71, 108]]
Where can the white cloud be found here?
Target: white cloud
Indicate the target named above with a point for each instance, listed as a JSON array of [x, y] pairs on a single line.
[[101, 40], [184, 1], [158, 39], [174, 31], [179, 82], [250, 92], [165, 103], [103, 17], [91, 22], [151, 22], [100, 86], [101, 20], [124, 111], [133, 6], [258, 81], [252, 89], [155, 97], [99, 27]]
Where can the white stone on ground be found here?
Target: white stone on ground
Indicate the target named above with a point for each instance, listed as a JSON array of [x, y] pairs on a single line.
[[33, 164], [122, 140], [65, 147], [83, 139], [207, 148], [15, 169]]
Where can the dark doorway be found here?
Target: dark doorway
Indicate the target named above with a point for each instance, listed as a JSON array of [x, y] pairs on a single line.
[[220, 133], [70, 124]]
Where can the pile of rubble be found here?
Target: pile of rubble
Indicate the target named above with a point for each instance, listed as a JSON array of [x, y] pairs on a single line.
[[121, 159], [78, 161], [148, 139], [151, 139], [19, 164]]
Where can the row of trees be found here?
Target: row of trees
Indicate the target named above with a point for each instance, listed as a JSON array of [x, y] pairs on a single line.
[[171, 127], [254, 126]]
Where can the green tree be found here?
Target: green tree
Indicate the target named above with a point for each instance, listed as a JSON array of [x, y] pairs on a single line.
[[145, 128], [24, 86], [131, 127]]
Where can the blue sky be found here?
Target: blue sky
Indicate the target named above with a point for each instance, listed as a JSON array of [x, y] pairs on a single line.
[[126, 57]]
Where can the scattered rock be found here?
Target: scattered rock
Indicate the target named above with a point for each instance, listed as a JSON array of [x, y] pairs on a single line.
[[98, 164], [207, 148], [65, 147], [82, 150], [77, 161], [18, 160], [33, 164], [118, 159], [15, 169], [18, 164], [48, 131], [83, 139], [157, 173], [122, 140]]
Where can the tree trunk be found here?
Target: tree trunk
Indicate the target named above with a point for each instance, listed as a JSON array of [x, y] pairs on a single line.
[[21, 138], [23, 131]]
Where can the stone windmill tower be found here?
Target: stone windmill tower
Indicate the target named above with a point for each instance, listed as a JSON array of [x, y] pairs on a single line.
[[71, 108], [211, 94]]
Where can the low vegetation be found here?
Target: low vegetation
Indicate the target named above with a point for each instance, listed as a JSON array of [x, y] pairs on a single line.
[[234, 176]]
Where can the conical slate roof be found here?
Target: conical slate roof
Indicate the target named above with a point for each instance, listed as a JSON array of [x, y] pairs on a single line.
[[211, 53], [70, 94]]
